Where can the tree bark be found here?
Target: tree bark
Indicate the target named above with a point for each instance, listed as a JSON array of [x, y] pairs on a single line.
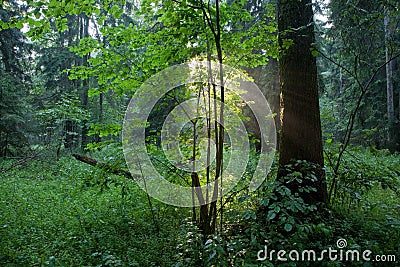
[[389, 89], [107, 167], [301, 137], [85, 84]]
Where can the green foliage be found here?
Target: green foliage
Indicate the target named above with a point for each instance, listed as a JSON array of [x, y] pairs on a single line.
[[113, 157], [13, 109], [361, 171], [282, 220], [54, 217], [128, 48], [352, 50], [130, 53], [105, 129], [67, 109], [15, 102], [67, 214]]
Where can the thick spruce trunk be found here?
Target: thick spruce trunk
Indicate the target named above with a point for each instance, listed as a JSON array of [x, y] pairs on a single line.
[[301, 137]]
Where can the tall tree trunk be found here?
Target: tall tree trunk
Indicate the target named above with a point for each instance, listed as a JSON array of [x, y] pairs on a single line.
[[68, 87], [85, 85], [208, 214], [69, 132], [97, 136], [301, 137], [389, 89]]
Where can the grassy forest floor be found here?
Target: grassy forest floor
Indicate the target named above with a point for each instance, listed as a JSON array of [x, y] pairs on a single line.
[[50, 215], [66, 213]]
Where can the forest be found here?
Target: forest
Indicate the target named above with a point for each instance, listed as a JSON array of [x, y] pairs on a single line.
[[200, 133]]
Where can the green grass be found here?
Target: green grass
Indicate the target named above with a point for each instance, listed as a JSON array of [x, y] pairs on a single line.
[[67, 213], [48, 216]]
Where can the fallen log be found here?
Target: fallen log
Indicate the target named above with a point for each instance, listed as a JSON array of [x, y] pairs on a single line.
[[105, 166]]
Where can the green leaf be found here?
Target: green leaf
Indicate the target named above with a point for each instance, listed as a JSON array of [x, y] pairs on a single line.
[[314, 52], [271, 215], [288, 227]]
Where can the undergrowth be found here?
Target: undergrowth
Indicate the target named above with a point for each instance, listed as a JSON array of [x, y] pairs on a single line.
[[51, 216], [66, 213]]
